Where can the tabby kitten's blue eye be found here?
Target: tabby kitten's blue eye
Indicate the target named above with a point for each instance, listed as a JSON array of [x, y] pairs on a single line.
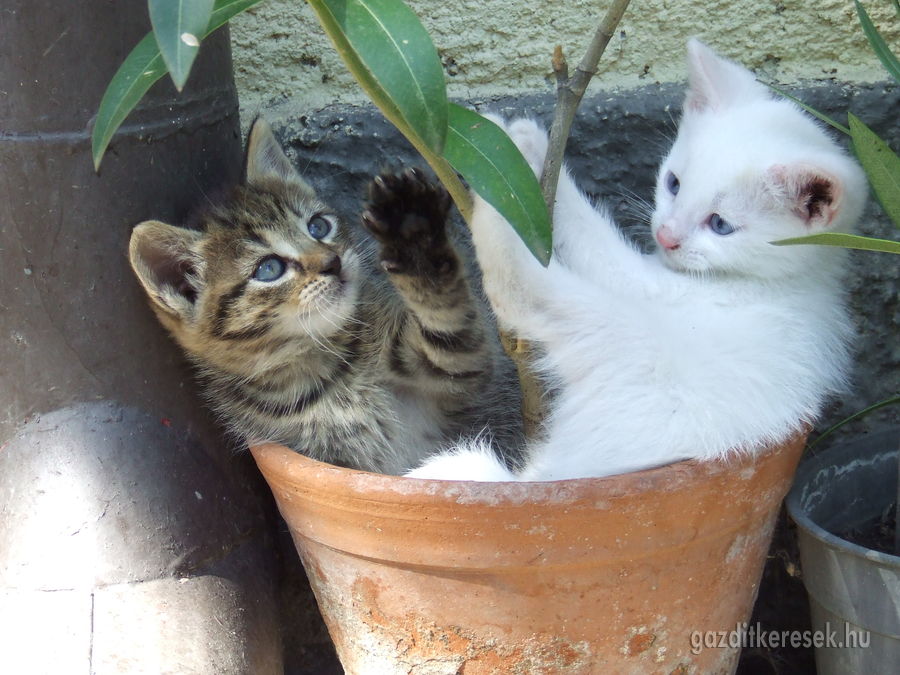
[[270, 269], [318, 227], [672, 183], [719, 225]]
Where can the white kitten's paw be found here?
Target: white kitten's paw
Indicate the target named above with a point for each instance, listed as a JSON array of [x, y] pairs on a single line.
[[531, 140], [479, 463]]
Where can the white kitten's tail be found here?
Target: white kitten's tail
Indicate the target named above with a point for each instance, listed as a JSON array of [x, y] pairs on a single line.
[[471, 460]]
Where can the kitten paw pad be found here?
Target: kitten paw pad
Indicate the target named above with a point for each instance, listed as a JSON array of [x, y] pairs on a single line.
[[407, 213]]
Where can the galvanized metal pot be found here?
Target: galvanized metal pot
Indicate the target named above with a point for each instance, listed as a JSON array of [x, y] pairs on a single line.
[[854, 591]]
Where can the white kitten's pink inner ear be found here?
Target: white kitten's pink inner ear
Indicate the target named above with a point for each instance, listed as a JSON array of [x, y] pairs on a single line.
[[814, 196]]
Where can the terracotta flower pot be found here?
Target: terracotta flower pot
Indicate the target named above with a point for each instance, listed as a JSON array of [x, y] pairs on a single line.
[[603, 575]]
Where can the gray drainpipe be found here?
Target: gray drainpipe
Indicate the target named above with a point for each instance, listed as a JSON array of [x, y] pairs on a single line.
[[132, 537]]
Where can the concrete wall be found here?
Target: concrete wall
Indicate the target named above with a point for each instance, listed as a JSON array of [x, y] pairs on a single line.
[[492, 47]]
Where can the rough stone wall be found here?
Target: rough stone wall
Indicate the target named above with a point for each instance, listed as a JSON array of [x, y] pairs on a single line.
[[494, 47]]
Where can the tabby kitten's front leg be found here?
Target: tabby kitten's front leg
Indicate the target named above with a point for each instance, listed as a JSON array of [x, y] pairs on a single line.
[[440, 341]]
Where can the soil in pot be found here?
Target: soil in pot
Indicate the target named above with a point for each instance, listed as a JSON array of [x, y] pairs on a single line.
[[877, 533]]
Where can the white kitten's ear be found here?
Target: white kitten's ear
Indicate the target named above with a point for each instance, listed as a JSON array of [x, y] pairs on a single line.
[[813, 195], [716, 83], [266, 160], [164, 259]]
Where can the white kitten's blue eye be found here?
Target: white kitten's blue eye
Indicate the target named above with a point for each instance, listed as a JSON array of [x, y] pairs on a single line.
[[318, 227], [672, 183], [270, 268], [719, 225]]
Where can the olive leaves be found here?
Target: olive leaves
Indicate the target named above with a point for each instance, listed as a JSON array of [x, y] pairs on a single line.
[[392, 57]]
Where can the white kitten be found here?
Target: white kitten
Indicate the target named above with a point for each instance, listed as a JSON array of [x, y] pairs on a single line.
[[720, 342]]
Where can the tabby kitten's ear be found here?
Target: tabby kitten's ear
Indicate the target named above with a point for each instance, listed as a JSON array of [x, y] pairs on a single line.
[[266, 160], [163, 258]]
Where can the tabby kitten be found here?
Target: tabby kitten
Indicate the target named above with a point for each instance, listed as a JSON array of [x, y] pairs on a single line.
[[299, 337]]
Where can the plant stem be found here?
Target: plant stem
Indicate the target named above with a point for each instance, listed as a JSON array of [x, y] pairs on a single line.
[[569, 92], [532, 389], [892, 400]]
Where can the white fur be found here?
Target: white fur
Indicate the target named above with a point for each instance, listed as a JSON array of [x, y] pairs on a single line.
[[722, 345], [472, 460]]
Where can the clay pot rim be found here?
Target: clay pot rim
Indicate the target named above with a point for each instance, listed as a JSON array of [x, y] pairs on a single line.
[[382, 487], [466, 525]]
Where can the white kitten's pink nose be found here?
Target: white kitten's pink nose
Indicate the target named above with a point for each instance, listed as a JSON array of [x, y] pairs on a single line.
[[666, 238]]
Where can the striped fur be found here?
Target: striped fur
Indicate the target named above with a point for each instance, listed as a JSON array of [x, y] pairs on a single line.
[[366, 365]]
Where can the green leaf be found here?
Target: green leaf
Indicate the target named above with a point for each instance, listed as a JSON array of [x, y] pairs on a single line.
[[179, 26], [879, 46], [844, 241], [391, 55], [893, 400], [881, 164], [225, 10], [492, 164], [143, 66], [140, 70]]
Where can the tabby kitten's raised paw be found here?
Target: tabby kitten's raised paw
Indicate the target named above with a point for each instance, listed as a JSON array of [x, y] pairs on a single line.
[[407, 214]]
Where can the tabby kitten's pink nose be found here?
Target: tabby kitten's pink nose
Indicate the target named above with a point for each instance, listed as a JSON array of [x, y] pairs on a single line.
[[666, 238]]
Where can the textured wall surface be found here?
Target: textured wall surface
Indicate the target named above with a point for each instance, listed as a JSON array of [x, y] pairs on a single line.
[[492, 47]]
